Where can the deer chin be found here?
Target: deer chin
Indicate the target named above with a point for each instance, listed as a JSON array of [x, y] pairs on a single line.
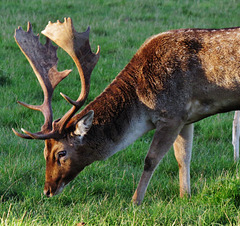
[[60, 189]]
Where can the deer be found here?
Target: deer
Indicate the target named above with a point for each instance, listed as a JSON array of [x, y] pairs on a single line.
[[175, 79]]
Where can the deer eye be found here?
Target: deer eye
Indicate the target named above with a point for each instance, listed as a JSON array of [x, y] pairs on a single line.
[[61, 154]]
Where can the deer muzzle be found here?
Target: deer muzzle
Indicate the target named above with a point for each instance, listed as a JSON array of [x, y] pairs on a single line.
[[51, 190]]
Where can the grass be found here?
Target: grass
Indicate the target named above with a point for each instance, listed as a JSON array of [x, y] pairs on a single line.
[[101, 194]]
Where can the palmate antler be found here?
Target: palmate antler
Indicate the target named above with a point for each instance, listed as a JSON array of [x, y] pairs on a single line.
[[43, 60]]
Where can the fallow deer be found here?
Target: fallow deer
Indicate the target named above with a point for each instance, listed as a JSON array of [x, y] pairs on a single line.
[[175, 79]]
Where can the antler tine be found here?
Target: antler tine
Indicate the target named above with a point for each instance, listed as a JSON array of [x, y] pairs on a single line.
[[25, 136], [78, 47], [39, 135], [43, 59], [33, 107]]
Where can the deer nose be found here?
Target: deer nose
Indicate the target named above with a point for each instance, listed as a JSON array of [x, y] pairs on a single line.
[[47, 192]]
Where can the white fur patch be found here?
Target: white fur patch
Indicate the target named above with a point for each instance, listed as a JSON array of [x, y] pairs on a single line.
[[137, 128]]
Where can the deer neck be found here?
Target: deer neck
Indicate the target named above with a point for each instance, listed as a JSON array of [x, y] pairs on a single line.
[[119, 117]]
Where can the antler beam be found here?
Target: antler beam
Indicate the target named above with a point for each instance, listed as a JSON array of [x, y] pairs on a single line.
[[78, 47], [43, 59]]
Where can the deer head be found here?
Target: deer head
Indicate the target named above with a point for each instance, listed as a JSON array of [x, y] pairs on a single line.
[[59, 135]]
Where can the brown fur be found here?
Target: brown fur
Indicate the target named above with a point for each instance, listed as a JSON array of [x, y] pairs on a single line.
[[170, 64]]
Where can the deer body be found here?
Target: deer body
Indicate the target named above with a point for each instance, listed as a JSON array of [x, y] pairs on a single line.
[[175, 79]]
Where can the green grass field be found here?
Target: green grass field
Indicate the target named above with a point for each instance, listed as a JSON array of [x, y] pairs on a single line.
[[101, 194]]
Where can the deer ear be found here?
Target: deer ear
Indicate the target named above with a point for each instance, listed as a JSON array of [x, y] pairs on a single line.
[[84, 124]]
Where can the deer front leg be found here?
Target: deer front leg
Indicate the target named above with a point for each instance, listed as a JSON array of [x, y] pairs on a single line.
[[235, 134], [183, 151], [162, 141]]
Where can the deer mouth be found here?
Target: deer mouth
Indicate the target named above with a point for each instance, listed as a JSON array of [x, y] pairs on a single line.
[[50, 191]]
